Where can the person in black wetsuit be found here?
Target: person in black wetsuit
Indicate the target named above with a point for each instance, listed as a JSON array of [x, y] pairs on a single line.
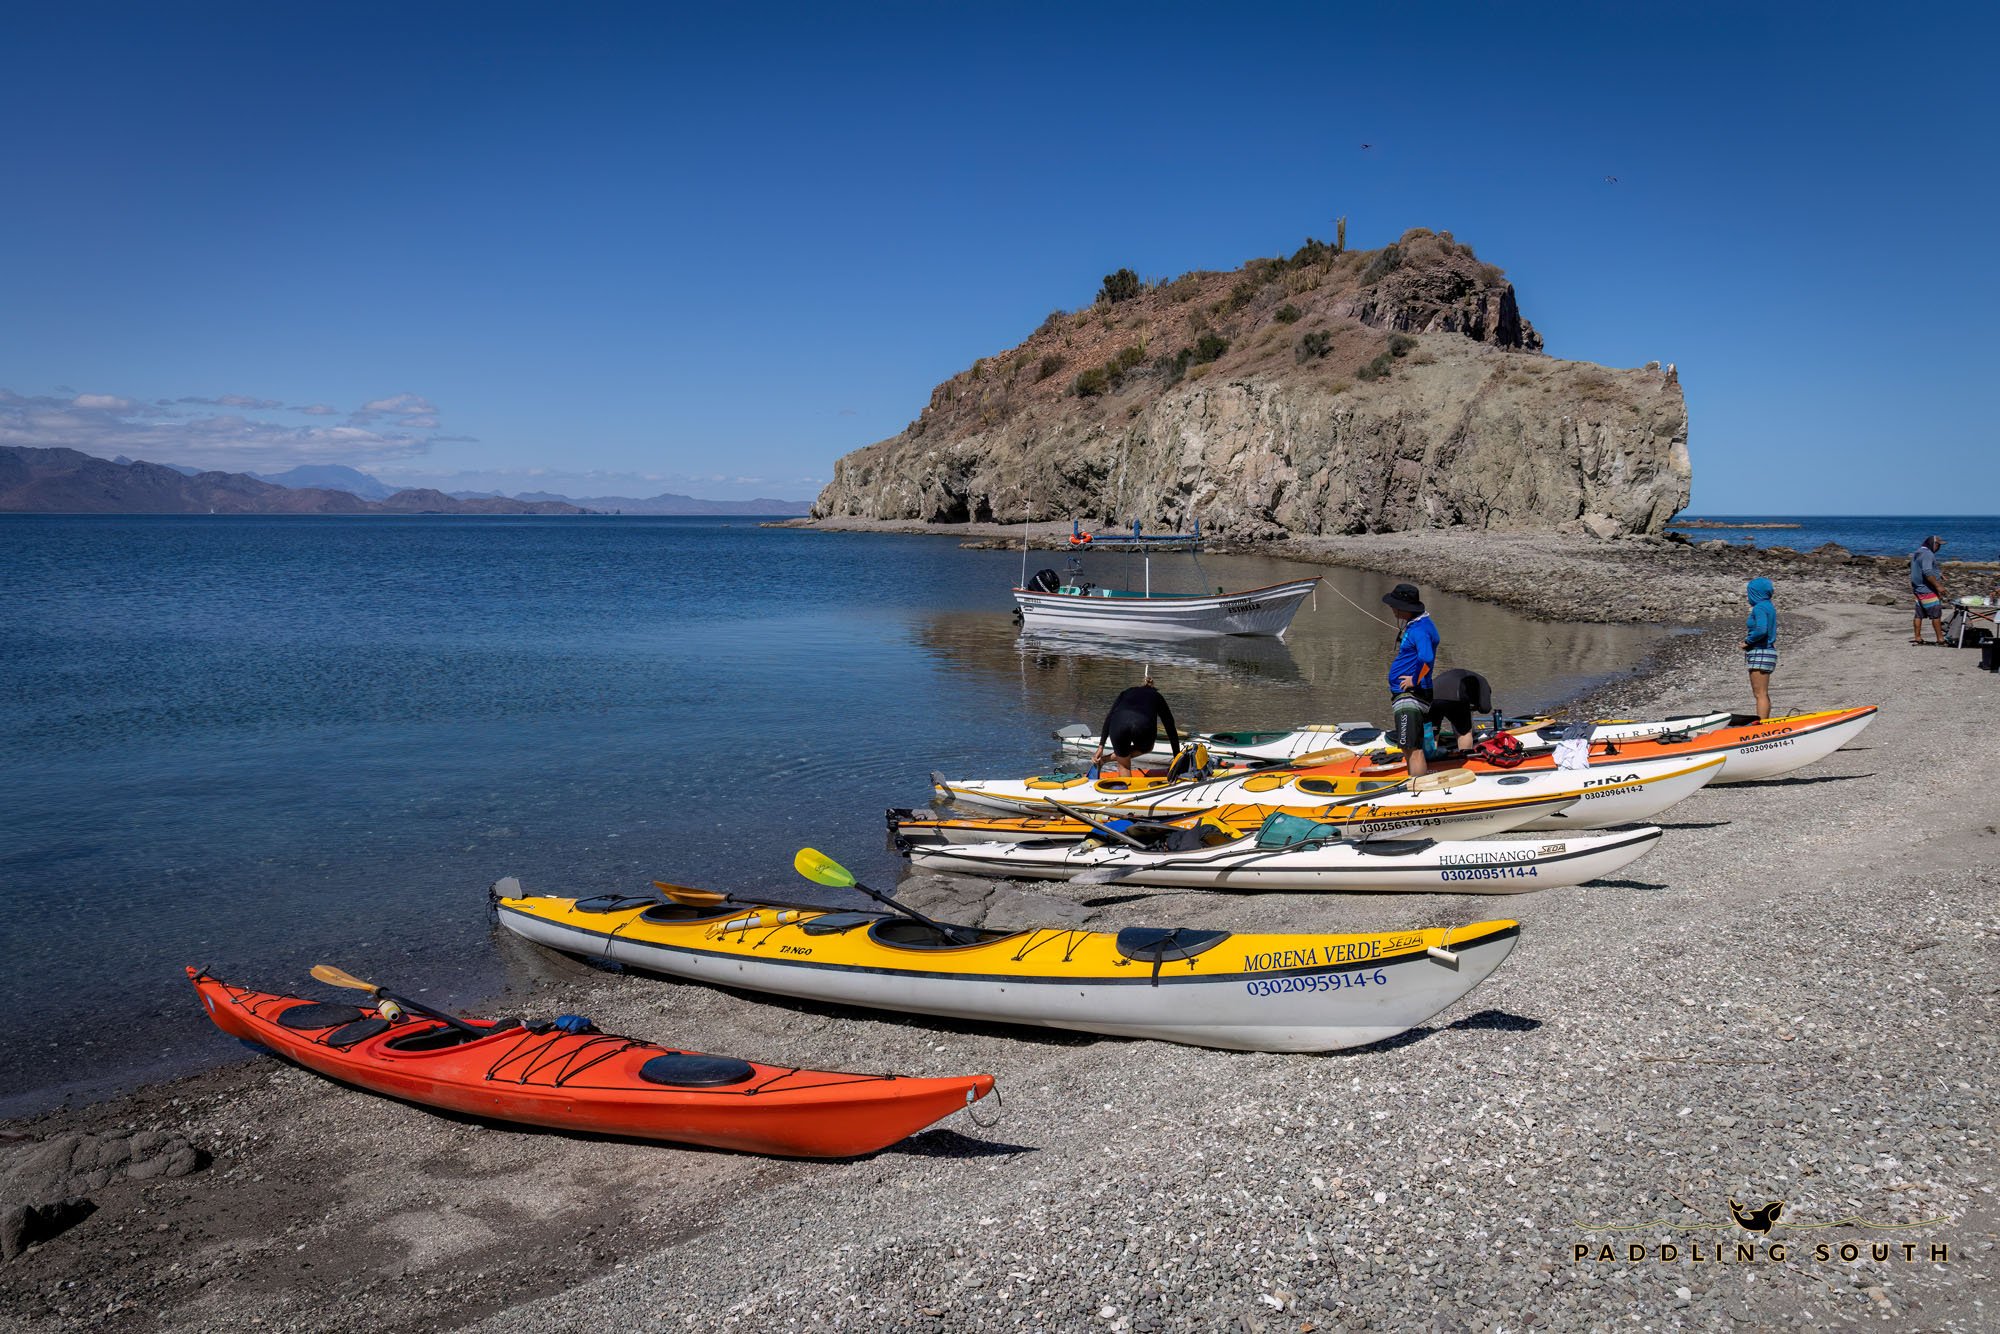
[[1455, 697], [1132, 727]]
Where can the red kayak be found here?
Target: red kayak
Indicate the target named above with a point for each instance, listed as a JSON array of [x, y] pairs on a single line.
[[593, 1082]]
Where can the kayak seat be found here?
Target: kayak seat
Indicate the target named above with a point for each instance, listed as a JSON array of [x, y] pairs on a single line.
[[1394, 847], [318, 1014], [613, 903], [681, 912], [833, 923], [683, 1069], [1153, 944], [359, 1031], [904, 933]]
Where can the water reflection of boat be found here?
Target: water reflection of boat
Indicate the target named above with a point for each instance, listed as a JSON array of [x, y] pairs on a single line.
[[1265, 658]]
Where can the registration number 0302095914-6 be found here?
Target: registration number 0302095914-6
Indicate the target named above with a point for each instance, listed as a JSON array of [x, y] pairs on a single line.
[[1274, 986]]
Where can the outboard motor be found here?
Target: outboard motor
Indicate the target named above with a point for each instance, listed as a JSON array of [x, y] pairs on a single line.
[[1045, 581]]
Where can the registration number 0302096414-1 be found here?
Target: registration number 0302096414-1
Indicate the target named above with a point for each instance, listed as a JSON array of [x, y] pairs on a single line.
[[1274, 986]]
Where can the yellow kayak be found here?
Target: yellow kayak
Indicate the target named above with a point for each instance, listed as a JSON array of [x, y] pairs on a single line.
[[1306, 991]]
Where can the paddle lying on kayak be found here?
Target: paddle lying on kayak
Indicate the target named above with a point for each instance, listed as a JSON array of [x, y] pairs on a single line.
[[543, 1075], [1249, 992]]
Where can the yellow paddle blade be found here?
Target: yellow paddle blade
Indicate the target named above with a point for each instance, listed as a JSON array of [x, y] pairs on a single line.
[[340, 977], [1313, 757], [698, 898], [821, 869], [1442, 781]]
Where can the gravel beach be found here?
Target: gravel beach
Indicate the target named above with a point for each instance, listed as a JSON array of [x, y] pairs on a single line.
[[1786, 1001]]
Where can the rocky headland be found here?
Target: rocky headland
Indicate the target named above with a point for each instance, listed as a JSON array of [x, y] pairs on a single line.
[[1327, 392]]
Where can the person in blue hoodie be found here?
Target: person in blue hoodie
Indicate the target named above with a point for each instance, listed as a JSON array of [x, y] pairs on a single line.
[[1410, 672], [1760, 642]]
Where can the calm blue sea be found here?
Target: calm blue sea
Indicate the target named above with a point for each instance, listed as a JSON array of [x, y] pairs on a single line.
[[1967, 537], [260, 743]]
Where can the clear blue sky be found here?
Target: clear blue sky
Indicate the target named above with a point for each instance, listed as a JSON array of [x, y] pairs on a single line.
[[682, 245]]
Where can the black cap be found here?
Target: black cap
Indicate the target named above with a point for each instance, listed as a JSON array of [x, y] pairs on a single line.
[[1404, 598], [1934, 541]]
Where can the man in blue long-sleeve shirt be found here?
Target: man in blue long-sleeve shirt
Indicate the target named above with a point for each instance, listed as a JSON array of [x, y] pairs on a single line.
[[1410, 672]]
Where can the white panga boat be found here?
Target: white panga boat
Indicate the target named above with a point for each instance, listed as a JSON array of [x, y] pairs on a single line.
[[1050, 602], [1293, 853]]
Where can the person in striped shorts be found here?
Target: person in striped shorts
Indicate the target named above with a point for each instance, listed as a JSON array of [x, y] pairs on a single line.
[[1760, 642]]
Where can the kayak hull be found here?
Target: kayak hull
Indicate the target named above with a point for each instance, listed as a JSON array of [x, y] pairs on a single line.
[[913, 829], [1361, 739], [1280, 993], [589, 1083], [1604, 797], [1510, 866]]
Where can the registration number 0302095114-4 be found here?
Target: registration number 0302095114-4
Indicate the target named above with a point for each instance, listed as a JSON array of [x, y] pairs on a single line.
[[1274, 986], [1486, 872]]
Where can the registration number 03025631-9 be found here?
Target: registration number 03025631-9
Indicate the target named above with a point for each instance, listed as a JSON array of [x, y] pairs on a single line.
[[1275, 986]]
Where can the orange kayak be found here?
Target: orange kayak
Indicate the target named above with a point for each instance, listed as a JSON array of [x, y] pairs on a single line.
[[1752, 750], [592, 1082]]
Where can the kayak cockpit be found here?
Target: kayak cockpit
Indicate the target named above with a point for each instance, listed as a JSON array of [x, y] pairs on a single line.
[[443, 1037], [906, 933]]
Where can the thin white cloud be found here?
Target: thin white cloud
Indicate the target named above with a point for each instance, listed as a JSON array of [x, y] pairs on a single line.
[[319, 410], [109, 425]]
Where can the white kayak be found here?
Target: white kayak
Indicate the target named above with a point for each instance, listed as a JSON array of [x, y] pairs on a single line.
[[1606, 794], [1292, 853], [1331, 739], [1497, 813]]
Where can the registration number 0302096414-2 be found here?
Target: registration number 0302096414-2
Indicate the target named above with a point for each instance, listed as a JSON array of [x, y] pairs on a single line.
[[1274, 986]]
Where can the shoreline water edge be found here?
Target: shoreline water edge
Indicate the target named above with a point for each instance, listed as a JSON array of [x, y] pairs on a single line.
[[1789, 1000]]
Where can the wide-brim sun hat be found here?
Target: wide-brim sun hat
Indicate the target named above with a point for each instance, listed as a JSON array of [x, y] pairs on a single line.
[[1405, 598]]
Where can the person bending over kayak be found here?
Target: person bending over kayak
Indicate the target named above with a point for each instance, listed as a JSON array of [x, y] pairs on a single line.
[[1132, 727], [1455, 697], [1760, 642], [1410, 672]]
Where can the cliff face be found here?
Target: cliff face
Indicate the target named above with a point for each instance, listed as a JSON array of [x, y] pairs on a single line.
[[1325, 393]]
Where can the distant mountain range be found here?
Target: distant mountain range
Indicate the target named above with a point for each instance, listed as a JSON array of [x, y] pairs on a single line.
[[64, 481], [669, 503]]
